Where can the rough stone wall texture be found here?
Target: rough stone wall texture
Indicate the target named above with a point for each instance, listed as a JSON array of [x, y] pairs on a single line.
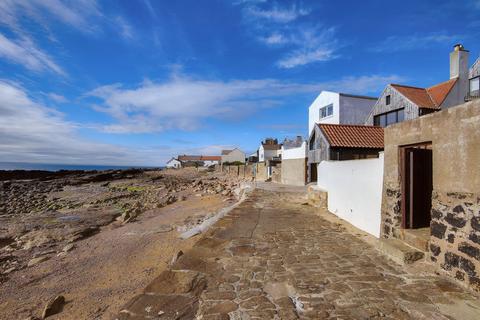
[[455, 226], [277, 173], [455, 229], [391, 214], [261, 174], [294, 172], [397, 101]]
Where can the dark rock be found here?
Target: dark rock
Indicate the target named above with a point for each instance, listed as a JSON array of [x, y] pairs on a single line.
[[451, 261], [54, 306], [455, 221], [458, 209], [468, 266], [474, 283], [474, 237], [475, 222], [460, 275], [435, 249], [436, 214], [451, 238], [437, 229], [472, 251]]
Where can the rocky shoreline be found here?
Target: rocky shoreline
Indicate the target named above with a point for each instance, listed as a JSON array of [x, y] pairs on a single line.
[[46, 215]]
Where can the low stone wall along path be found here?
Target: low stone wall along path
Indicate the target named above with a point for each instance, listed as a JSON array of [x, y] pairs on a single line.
[[272, 257]]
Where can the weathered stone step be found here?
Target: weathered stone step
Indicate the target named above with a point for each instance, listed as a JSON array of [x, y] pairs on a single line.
[[399, 251], [417, 238]]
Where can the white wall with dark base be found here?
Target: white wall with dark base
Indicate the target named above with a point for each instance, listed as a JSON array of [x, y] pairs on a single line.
[[354, 191]]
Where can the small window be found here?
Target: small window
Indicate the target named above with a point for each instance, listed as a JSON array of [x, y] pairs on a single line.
[[329, 110], [326, 111], [387, 100]]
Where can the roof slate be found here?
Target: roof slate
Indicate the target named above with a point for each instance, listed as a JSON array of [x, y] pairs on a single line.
[[353, 136]]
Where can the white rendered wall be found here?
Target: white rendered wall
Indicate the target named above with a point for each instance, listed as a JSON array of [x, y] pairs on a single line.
[[354, 191], [324, 98], [295, 153]]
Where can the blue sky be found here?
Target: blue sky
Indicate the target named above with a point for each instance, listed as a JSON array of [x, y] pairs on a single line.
[[136, 82]]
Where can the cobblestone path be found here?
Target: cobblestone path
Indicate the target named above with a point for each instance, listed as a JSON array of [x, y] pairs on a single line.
[[274, 258]]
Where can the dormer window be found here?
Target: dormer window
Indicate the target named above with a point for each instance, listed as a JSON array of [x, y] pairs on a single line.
[[387, 100], [326, 111]]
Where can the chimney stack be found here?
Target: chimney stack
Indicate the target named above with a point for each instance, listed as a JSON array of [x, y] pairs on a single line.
[[459, 62]]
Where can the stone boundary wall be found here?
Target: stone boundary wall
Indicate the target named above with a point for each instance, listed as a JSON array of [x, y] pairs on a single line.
[[455, 226]]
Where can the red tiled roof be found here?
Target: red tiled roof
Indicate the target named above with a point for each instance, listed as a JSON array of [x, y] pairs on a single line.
[[440, 91], [353, 136], [430, 98], [211, 158], [199, 158], [189, 158]]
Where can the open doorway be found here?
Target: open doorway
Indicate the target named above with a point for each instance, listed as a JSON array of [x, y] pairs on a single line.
[[417, 185], [313, 172]]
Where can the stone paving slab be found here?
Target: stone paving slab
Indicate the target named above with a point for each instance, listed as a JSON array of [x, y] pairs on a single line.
[[274, 258]]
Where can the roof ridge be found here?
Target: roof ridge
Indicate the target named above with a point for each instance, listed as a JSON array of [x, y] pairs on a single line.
[[346, 125], [444, 82], [405, 86]]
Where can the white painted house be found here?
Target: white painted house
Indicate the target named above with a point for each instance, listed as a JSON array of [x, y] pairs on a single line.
[[269, 150], [339, 108], [174, 164]]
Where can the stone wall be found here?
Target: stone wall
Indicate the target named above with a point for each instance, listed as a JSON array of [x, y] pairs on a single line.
[[277, 173], [455, 241], [454, 134], [294, 171]]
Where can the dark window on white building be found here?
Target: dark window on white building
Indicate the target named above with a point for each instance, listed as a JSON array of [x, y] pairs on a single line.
[[387, 100], [326, 111], [385, 119]]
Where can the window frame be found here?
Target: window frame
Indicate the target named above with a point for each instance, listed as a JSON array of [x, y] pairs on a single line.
[[381, 119], [326, 111], [388, 100]]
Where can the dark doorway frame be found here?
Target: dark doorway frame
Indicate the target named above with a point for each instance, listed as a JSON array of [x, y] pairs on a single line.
[[313, 172], [406, 169]]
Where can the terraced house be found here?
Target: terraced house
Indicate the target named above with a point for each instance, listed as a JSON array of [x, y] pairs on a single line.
[[402, 102]]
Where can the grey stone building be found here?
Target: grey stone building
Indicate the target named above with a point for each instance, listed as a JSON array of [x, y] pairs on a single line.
[[400, 102]]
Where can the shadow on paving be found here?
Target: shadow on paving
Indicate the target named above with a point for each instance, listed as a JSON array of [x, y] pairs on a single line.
[[273, 258]]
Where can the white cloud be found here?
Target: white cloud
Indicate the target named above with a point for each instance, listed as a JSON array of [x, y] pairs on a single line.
[[24, 52], [184, 103], [78, 14], [30, 132], [57, 97], [125, 29], [276, 13], [414, 42], [302, 42]]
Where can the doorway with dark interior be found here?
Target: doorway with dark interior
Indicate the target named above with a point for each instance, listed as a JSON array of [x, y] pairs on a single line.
[[416, 174], [313, 172]]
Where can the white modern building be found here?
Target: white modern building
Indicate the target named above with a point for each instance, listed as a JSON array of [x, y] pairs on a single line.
[[269, 150], [174, 163], [339, 108]]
